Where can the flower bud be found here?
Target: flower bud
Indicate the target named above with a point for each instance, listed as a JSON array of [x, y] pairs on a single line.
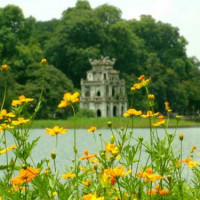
[[44, 61], [86, 152], [170, 135], [141, 139], [4, 67], [151, 97], [132, 89], [181, 136], [53, 155], [75, 150], [169, 177], [178, 118], [141, 78], [24, 166], [112, 138], [109, 123]]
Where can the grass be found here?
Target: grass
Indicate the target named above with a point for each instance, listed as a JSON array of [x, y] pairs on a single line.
[[117, 122]]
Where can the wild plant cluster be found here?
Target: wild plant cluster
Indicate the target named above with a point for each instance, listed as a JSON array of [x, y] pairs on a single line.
[[117, 171]]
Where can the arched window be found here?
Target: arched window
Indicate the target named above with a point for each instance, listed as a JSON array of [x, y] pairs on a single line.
[[114, 111], [104, 76], [107, 91], [87, 93], [98, 93], [122, 110], [98, 113], [108, 111], [113, 91]]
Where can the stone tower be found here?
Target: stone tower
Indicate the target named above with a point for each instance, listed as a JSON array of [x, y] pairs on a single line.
[[103, 91]]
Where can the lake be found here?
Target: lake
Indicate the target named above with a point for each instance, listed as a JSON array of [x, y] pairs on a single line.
[[85, 140]]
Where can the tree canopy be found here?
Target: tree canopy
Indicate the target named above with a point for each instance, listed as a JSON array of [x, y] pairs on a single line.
[[143, 46]]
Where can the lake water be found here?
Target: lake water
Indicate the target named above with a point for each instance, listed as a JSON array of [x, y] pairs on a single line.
[[85, 140]]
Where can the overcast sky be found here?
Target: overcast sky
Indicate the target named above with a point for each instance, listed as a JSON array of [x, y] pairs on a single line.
[[183, 14]]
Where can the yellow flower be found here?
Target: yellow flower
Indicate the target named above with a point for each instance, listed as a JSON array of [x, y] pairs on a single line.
[[149, 114], [56, 130], [94, 160], [159, 123], [4, 67], [148, 175], [5, 126], [20, 100], [8, 149], [144, 81], [92, 129], [86, 182], [21, 120], [193, 148], [192, 164], [111, 148], [68, 99], [17, 188], [16, 102], [92, 197], [116, 172], [4, 114], [23, 99], [132, 112], [25, 175], [136, 86], [87, 156], [44, 61], [158, 191], [68, 175], [167, 108], [187, 160], [54, 194], [82, 168]]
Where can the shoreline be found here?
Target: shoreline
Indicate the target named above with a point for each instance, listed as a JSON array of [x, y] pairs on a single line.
[[86, 123]]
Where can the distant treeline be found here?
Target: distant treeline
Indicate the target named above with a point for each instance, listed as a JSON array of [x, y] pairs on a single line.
[[144, 46]]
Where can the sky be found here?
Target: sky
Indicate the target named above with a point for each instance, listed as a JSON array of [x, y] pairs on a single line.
[[183, 14]]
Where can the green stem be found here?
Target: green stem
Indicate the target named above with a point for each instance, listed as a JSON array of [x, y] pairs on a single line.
[[54, 163], [120, 192], [75, 153], [140, 153], [95, 141], [5, 142], [75, 148], [180, 177], [56, 140], [5, 92]]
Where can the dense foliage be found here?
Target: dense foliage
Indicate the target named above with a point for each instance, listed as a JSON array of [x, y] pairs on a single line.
[[143, 46]]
